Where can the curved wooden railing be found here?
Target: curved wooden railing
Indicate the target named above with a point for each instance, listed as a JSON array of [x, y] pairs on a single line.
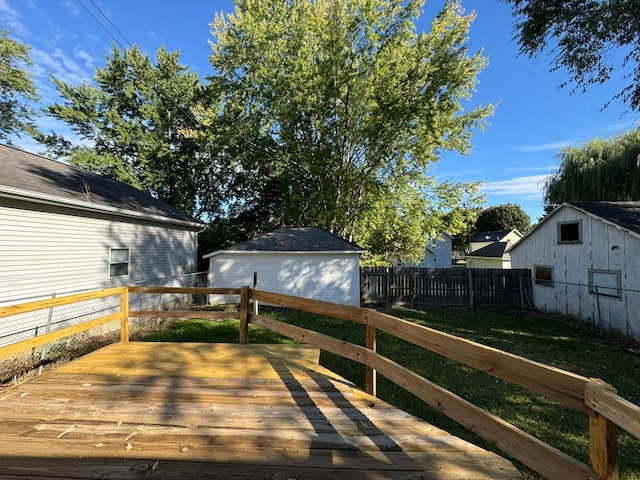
[[606, 409]]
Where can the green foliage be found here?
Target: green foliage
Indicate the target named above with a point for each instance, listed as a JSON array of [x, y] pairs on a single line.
[[503, 217], [208, 331], [335, 110], [134, 120], [591, 39], [16, 88], [599, 170]]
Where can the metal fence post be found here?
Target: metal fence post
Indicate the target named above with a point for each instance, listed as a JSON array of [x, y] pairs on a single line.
[[43, 353]]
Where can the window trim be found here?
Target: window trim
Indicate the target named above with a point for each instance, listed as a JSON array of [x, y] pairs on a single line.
[[578, 222], [113, 263], [618, 288], [543, 281]]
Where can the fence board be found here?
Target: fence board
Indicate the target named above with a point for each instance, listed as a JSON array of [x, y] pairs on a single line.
[[423, 287]]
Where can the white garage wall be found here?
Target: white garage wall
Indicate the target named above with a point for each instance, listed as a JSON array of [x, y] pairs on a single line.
[[329, 276]]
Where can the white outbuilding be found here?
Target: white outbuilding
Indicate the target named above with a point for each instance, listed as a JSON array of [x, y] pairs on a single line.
[[585, 259], [306, 262]]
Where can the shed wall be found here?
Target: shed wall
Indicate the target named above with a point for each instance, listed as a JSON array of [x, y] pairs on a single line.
[[333, 277], [48, 249], [603, 247]]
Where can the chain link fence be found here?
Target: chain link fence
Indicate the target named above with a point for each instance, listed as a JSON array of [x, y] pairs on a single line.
[[25, 326], [165, 301], [609, 309]]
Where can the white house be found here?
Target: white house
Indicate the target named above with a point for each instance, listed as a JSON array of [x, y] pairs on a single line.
[[64, 230], [306, 262], [585, 259], [490, 249], [437, 253]]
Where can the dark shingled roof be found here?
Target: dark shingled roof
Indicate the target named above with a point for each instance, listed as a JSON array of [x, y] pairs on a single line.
[[26, 171], [623, 214], [495, 250], [304, 239], [493, 236]]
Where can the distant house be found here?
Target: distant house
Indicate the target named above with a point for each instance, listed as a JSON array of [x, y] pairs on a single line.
[[306, 262], [489, 249], [437, 252], [585, 259], [64, 230]]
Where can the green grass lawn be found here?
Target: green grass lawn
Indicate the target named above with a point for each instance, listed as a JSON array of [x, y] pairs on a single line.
[[534, 336]]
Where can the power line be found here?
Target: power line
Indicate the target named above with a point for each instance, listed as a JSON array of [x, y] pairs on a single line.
[[101, 24], [188, 114], [111, 23]]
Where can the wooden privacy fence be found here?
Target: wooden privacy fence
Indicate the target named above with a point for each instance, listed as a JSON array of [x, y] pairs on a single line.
[[416, 287], [606, 410]]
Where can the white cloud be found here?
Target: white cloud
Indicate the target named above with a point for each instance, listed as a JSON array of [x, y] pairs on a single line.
[[529, 186], [11, 19], [541, 168], [546, 146], [72, 7], [59, 64], [83, 55]]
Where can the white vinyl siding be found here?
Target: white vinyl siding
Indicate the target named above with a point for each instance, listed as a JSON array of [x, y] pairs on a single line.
[[42, 252]]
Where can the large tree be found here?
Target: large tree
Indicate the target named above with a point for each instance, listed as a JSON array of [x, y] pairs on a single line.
[[131, 123], [341, 108], [503, 217], [17, 89], [601, 169], [593, 39]]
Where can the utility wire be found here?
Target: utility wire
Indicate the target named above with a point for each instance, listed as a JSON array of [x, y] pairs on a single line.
[[111, 23], [188, 114], [102, 25]]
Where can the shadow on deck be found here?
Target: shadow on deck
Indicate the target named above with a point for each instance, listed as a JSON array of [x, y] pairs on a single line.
[[171, 410]]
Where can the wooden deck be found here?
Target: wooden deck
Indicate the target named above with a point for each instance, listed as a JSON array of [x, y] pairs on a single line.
[[174, 411]]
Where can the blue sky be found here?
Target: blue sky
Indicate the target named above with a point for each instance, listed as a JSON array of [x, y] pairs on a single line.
[[512, 156]]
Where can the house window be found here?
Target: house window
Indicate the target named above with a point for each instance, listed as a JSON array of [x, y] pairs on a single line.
[[544, 275], [605, 282], [118, 262], [570, 232]]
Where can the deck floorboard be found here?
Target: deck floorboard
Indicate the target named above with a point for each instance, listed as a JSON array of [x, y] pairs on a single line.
[[173, 411]]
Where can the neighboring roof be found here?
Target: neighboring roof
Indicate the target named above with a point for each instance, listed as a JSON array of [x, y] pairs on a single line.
[[303, 239], [493, 236], [32, 177], [625, 215], [494, 250]]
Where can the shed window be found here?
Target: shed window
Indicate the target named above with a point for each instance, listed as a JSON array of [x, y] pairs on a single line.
[[544, 275], [605, 282], [118, 262], [570, 232]]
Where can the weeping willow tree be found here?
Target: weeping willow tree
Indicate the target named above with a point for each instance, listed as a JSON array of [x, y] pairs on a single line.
[[599, 170]]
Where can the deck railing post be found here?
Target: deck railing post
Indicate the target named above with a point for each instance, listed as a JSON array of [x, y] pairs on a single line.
[[371, 381], [603, 442], [244, 315], [124, 310]]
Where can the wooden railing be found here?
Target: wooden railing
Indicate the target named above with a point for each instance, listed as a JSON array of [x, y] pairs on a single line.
[[606, 410], [122, 315]]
